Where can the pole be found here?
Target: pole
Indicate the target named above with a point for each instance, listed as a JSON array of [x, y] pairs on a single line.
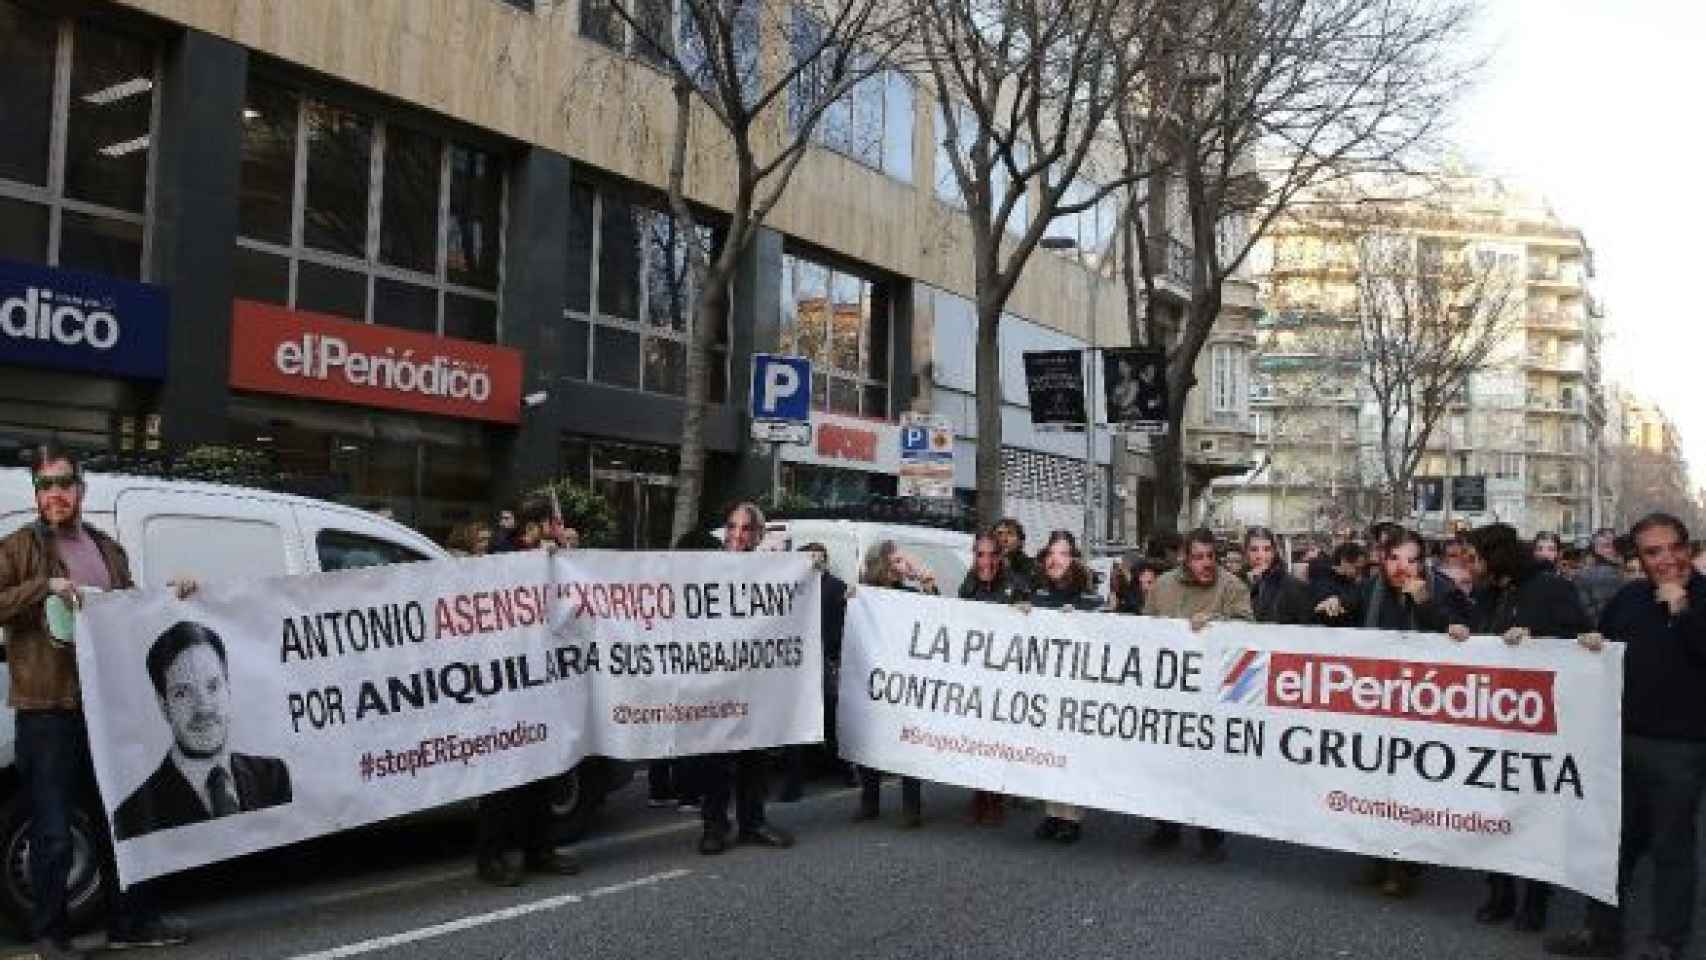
[[1091, 290], [775, 474]]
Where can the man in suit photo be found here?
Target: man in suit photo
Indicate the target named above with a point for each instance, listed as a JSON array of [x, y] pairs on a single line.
[[200, 778]]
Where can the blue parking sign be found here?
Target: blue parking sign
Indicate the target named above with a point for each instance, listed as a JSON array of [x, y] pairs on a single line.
[[781, 388]]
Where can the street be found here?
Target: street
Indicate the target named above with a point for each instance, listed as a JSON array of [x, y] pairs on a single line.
[[947, 890]]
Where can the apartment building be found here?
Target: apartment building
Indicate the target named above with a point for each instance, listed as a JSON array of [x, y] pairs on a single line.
[[462, 202], [1523, 444]]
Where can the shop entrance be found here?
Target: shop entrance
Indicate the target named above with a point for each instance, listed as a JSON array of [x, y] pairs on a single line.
[[638, 480]]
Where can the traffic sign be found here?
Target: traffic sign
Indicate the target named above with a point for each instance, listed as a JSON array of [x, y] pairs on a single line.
[[781, 431], [926, 456], [781, 388]]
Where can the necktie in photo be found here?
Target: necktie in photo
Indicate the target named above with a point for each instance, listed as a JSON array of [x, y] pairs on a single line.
[[219, 793]]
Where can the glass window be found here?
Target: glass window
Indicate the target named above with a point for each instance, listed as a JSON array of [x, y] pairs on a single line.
[[470, 318], [265, 200], [261, 276], [476, 218], [342, 550], [23, 230], [669, 292], [405, 305], [619, 261], [408, 220], [811, 310], [341, 293], [666, 366], [28, 42], [600, 22], [578, 295], [847, 322], [897, 125], [108, 130], [840, 321], [575, 352], [654, 40], [843, 396], [339, 145], [865, 126], [877, 334], [100, 245], [616, 357]]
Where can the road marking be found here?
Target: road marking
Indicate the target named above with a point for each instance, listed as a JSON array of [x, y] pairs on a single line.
[[486, 919]]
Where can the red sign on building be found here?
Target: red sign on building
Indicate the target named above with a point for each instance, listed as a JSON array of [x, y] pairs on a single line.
[[301, 354]]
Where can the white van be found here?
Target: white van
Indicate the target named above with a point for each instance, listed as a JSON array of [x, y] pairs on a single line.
[[215, 533], [947, 553]]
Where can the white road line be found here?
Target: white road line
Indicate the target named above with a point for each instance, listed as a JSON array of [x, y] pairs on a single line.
[[485, 919]]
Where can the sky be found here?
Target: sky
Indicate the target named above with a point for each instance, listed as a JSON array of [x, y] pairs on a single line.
[[1597, 105]]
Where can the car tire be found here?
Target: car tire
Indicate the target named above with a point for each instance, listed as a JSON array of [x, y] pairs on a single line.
[[84, 905], [575, 798]]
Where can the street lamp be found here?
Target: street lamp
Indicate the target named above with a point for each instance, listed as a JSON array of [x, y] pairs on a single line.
[[1091, 289]]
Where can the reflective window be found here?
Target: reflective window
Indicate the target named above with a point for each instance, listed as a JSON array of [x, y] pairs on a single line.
[[840, 321], [628, 305], [76, 141], [947, 183], [315, 176], [872, 122]]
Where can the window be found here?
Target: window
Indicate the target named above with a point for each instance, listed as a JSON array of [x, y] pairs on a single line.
[[628, 312], [1091, 230], [373, 220], [342, 550], [1228, 384], [947, 184], [872, 123], [78, 116], [841, 322], [669, 28]]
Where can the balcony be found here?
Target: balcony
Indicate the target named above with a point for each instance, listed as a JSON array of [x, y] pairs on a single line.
[[1557, 321], [1555, 361], [1218, 444], [1554, 275], [1549, 405]]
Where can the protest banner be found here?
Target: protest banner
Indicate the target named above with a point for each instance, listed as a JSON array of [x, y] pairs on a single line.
[[259, 714], [1397, 745]]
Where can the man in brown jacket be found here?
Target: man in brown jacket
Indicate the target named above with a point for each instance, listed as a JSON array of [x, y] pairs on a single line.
[[57, 556], [1201, 592]]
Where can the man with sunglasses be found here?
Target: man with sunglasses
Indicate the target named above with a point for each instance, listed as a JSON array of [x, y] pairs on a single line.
[[58, 556], [742, 533]]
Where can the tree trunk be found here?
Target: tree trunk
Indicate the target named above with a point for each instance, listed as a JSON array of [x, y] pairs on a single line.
[[990, 502], [1168, 453], [713, 290]]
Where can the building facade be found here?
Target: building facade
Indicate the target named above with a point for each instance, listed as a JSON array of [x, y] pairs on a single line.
[[1524, 443], [418, 255]]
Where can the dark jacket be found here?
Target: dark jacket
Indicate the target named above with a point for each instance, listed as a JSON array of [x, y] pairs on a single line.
[[1540, 601], [1024, 568], [1006, 589], [833, 616], [1376, 606], [1047, 597], [44, 676], [1664, 662], [1279, 597], [166, 800], [1598, 582]]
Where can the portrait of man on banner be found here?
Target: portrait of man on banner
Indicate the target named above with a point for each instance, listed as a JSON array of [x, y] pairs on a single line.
[[201, 778], [1136, 385]]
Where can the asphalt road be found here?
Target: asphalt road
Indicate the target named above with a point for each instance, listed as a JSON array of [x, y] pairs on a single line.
[[846, 890]]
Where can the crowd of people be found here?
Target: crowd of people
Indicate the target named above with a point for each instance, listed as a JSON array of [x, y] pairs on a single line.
[[1646, 590]]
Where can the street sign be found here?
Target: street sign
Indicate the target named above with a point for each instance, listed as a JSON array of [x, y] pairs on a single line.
[[781, 431], [1054, 379], [926, 456], [1469, 494], [781, 388]]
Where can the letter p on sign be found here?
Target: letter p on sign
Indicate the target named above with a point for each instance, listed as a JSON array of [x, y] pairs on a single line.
[[781, 388]]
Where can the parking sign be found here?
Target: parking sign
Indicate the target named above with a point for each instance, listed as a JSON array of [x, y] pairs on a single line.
[[781, 388]]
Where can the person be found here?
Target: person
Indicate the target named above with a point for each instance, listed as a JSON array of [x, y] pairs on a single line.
[[1124, 594], [1165, 549], [989, 581], [1339, 578], [514, 830], [1147, 573], [739, 774], [832, 617], [201, 777], [1661, 622], [1524, 600], [1601, 575], [1547, 548], [1697, 554], [1123, 393], [670, 782], [1236, 564], [887, 567], [471, 539], [1275, 595], [504, 534], [1064, 584], [1011, 533], [1398, 598], [1201, 592], [1570, 561], [59, 555]]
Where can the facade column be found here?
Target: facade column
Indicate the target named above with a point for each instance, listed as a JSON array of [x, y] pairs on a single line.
[[756, 327], [198, 165]]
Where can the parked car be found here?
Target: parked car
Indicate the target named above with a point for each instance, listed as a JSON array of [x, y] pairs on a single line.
[[219, 533]]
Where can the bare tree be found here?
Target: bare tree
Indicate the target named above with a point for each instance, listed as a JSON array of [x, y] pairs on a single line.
[[1306, 360], [1653, 480], [1268, 100], [1026, 91], [758, 75]]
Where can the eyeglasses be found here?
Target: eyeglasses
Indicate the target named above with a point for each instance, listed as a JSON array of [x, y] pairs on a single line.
[[56, 483]]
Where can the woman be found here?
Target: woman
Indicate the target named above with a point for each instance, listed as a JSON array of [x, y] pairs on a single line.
[[1526, 599], [1547, 547], [471, 539], [885, 566], [1125, 596], [990, 580], [1276, 595], [1063, 583]]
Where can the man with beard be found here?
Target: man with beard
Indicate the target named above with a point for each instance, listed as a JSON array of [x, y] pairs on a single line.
[[201, 777], [59, 556]]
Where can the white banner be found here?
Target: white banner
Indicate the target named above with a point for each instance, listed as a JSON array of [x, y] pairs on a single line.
[[1396, 745], [300, 706]]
